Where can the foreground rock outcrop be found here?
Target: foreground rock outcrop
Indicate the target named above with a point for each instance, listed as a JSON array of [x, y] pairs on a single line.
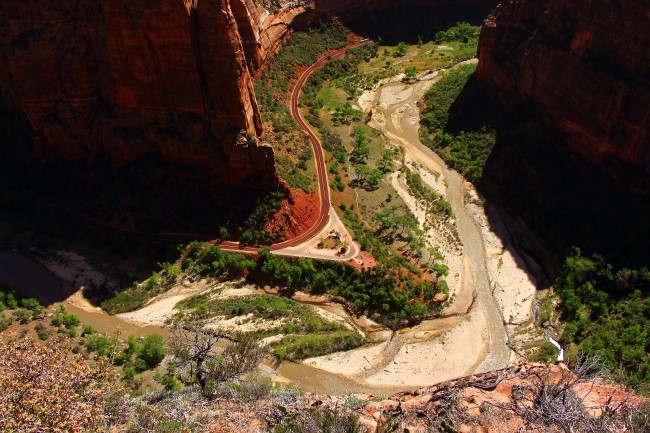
[[530, 398], [44, 384], [585, 63]]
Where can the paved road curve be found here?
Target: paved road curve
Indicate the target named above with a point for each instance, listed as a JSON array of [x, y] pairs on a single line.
[[325, 211]]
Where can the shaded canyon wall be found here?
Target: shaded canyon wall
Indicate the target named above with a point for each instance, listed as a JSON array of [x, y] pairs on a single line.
[[586, 63], [121, 79]]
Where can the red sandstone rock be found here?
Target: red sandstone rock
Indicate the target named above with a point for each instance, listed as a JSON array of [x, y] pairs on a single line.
[[585, 62], [123, 79]]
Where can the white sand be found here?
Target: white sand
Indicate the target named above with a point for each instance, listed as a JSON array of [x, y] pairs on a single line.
[[351, 363], [419, 356], [512, 285], [155, 313], [161, 308], [246, 323], [228, 291], [455, 354], [331, 317]]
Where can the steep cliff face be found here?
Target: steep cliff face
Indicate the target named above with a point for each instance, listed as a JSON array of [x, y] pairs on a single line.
[[121, 79], [586, 63]]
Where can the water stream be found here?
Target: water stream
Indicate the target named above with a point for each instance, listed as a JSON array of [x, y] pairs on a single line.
[[560, 356], [33, 279], [547, 337]]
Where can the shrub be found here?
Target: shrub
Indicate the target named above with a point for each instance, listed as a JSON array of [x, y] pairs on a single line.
[[103, 345], [400, 50], [152, 351], [42, 332], [296, 348], [22, 316], [31, 304], [63, 318], [45, 388]]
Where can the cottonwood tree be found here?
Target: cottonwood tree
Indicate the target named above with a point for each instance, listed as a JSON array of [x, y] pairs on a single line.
[[385, 164], [361, 150], [400, 51]]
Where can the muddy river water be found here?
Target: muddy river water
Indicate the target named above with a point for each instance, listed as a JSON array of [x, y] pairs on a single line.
[[32, 278]]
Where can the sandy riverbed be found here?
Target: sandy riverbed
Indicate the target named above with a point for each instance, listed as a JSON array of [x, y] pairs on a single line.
[[447, 349], [161, 308]]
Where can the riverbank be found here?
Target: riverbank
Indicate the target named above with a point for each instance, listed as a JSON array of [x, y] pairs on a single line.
[[485, 264]]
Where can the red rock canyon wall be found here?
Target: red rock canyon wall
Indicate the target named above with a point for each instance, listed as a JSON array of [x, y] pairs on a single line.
[[586, 63], [122, 78]]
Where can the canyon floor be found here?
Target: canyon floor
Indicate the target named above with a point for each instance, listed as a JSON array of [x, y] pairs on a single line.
[[491, 291], [489, 285]]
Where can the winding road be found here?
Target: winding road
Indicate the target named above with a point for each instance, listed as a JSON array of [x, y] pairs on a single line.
[[327, 217]]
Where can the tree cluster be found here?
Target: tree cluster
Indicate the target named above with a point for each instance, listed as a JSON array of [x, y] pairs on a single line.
[[382, 290], [465, 150], [607, 312]]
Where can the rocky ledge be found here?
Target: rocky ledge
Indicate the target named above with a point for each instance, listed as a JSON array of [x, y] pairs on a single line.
[[531, 398]]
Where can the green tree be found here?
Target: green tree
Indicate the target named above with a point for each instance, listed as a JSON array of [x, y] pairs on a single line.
[[400, 51], [152, 350], [361, 150], [410, 72], [385, 164], [373, 178]]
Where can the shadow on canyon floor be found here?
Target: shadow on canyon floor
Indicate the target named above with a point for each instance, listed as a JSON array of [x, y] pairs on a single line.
[[408, 22], [113, 216], [564, 198]]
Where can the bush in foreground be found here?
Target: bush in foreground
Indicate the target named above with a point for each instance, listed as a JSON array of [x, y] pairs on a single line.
[[47, 389]]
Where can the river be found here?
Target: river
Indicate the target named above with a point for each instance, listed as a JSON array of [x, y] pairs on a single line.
[[33, 279], [401, 122]]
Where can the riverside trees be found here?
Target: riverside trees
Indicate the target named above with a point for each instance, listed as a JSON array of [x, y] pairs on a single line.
[[383, 290], [607, 311]]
